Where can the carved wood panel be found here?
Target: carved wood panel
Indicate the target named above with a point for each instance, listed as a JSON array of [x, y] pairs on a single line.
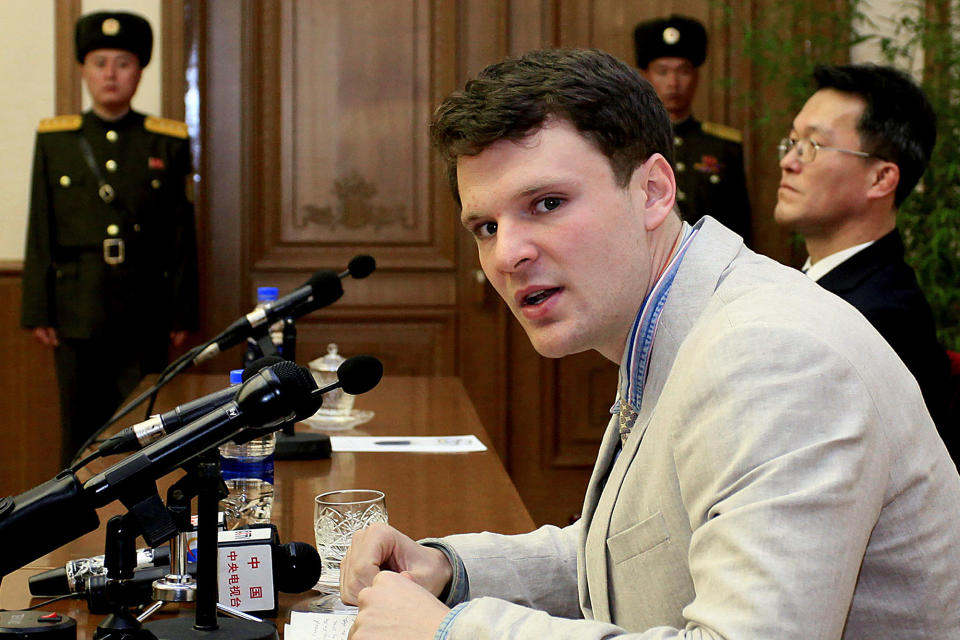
[[331, 100], [341, 162], [355, 95]]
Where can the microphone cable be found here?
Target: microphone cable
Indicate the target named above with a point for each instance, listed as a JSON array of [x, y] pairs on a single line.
[[44, 603], [168, 374]]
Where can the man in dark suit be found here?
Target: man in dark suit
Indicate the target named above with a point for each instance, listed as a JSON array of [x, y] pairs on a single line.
[[708, 156], [110, 273], [857, 149]]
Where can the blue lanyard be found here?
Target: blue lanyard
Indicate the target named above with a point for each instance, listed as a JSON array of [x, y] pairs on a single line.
[[633, 371]]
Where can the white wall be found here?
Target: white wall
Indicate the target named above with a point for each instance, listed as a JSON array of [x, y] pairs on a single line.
[[26, 78], [27, 94], [881, 17]]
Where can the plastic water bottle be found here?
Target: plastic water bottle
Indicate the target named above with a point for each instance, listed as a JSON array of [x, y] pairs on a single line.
[[247, 470], [266, 295]]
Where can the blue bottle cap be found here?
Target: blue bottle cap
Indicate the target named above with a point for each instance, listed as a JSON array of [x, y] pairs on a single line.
[[236, 376], [267, 294]]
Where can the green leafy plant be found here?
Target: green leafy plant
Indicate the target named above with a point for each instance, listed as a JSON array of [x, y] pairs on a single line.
[[930, 218]]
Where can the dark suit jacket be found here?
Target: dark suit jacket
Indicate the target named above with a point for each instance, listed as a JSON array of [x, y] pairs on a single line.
[[880, 284]]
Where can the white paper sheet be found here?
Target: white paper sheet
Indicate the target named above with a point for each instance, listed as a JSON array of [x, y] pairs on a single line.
[[411, 444], [305, 625]]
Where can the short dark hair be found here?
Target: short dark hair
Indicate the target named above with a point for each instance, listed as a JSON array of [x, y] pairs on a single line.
[[898, 122], [608, 102]]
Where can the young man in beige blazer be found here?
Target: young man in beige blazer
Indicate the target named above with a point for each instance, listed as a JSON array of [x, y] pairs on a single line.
[[770, 470]]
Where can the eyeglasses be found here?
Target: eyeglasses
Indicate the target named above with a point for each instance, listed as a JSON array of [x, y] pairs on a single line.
[[807, 149]]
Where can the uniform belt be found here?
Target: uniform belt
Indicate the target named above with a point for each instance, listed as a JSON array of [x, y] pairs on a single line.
[[113, 251]]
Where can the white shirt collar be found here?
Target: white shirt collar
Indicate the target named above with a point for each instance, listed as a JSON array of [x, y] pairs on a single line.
[[828, 264]]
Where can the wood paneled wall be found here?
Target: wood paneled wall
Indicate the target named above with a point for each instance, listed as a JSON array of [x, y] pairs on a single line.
[[30, 413], [312, 148]]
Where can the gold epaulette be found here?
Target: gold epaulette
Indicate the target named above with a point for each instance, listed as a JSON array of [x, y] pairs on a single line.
[[723, 131], [167, 127], [60, 123]]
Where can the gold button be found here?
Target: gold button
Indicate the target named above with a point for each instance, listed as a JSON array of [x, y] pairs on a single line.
[[681, 196], [113, 230], [681, 167], [714, 178], [111, 166], [112, 135], [677, 141], [64, 181], [155, 183]]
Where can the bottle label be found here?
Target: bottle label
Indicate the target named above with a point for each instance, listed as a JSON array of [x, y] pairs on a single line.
[[247, 467]]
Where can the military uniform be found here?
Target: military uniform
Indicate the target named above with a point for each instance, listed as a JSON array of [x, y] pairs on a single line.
[[710, 176], [708, 157], [110, 257]]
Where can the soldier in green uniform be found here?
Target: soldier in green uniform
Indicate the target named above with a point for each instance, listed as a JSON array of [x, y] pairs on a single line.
[[708, 156], [110, 273]]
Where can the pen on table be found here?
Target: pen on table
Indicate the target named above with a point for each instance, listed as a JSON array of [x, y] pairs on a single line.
[[392, 442]]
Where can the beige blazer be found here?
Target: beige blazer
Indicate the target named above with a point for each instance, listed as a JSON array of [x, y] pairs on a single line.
[[784, 480]]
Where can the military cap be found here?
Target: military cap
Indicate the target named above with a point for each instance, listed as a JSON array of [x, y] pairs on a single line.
[[114, 30], [673, 37]]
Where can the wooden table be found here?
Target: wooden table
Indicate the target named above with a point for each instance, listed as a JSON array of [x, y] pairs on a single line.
[[427, 494]]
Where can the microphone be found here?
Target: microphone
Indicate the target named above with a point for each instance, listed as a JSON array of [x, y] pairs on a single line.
[[322, 289], [254, 566], [266, 400], [51, 514], [359, 267], [356, 375], [73, 575], [156, 426], [296, 568]]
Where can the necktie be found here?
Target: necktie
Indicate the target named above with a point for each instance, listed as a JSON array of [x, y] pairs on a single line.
[[626, 420]]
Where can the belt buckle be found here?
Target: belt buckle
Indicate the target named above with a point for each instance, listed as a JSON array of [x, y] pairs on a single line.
[[114, 251]]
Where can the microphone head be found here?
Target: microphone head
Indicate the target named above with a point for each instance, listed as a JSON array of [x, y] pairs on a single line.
[[52, 582], [292, 376], [325, 287], [359, 374], [254, 367], [272, 396], [296, 567], [361, 266]]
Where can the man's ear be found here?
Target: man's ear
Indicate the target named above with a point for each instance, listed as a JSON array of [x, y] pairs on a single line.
[[655, 180], [883, 180]]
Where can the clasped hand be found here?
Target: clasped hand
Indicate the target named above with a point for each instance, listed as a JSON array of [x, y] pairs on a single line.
[[395, 583]]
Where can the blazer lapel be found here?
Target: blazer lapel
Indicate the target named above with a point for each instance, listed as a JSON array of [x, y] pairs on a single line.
[[593, 593], [697, 278]]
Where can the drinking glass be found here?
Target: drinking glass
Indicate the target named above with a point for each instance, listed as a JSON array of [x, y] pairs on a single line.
[[337, 515]]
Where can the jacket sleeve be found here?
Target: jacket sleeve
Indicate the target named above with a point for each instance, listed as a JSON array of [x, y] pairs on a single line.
[[536, 569], [37, 308]]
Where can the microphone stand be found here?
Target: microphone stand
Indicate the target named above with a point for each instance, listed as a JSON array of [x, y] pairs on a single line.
[[120, 559], [179, 585], [206, 624]]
